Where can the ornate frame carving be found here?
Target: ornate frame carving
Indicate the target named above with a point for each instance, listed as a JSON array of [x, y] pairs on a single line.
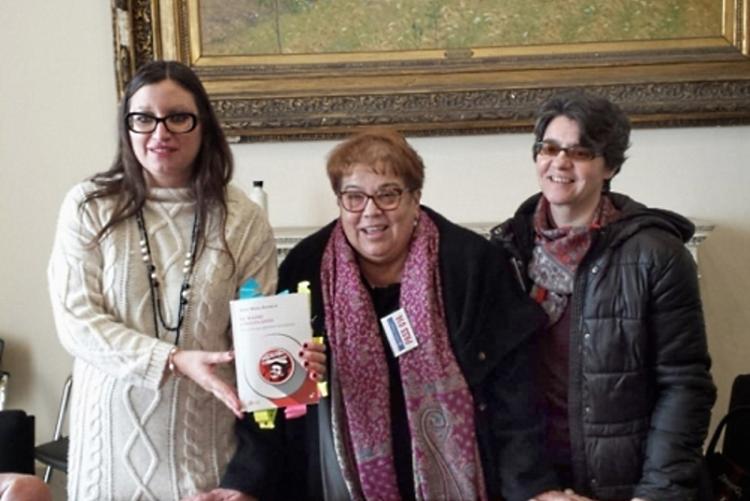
[[691, 81]]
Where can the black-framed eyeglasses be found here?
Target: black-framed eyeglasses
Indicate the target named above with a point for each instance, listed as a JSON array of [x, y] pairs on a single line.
[[356, 201], [575, 152], [176, 123]]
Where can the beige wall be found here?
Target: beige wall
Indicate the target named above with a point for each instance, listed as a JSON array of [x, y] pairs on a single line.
[[57, 109]]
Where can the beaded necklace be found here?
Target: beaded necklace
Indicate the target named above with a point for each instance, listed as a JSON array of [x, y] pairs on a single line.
[[153, 281]]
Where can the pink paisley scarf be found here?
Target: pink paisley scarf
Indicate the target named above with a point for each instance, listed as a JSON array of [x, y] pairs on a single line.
[[439, 405], [557, 254]]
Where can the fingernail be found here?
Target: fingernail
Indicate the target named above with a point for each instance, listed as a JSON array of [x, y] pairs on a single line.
[[314, 375], [301, 354], [305, 345], [306, 364]]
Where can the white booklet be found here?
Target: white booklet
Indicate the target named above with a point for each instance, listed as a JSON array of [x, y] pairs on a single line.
[[268, 334]]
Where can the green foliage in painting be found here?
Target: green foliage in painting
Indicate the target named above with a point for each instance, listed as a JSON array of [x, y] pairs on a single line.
[[255, 27]]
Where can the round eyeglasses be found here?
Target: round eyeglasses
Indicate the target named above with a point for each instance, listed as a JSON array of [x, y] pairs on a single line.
[[176, 123], [576, 152], [356, 201]]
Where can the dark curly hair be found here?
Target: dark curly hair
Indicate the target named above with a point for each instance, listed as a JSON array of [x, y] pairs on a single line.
[[604, 126]]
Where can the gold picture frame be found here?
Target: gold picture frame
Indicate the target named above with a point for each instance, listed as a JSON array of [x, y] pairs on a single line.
[[662, 82]]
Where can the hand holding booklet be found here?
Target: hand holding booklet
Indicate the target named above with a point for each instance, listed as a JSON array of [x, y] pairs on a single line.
[[268, 335]]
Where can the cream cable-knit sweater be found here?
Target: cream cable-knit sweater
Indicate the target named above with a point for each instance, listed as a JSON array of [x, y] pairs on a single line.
[[135, 435]]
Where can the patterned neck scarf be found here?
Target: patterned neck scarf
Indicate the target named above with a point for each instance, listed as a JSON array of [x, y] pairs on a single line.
[[557, 254], [439, 405]]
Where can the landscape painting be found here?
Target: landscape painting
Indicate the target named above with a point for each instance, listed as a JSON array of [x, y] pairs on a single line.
[[265, 27], [291, 69]]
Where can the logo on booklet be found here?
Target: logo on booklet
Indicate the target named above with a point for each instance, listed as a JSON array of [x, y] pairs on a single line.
[[276, 366]]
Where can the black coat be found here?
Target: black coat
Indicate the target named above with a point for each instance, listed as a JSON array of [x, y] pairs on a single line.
[[491, 325], [640, 393]]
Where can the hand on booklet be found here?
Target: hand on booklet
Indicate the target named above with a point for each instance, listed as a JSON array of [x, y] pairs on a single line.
[[314, 356], [199, 366]]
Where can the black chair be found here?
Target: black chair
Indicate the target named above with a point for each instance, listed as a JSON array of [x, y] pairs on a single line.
[[729, 470], [736, 443], [16, 432], [16, 442], [54, 454]]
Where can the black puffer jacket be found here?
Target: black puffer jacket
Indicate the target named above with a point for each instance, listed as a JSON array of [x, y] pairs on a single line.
[[640, 392]]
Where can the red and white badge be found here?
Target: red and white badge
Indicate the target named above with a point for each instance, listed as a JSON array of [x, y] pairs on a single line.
[[276, 366]]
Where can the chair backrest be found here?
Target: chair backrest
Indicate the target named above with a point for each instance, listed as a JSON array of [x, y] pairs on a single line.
[[736, 445], [63, 409]]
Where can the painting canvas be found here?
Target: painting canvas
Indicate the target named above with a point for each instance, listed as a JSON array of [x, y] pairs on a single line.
[[279, 69], [260, 27]]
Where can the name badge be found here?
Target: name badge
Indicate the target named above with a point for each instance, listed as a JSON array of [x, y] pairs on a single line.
[[399, 332]]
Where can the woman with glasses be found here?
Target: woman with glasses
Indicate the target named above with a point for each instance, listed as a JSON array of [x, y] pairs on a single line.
[[622, 364], [427, 334], [146, 258]]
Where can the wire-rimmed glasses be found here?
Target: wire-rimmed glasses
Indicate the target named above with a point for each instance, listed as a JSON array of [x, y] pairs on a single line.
[[385, 200], [575, 152]]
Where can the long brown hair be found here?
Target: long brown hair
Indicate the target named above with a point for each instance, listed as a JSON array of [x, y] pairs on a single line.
[[212, 168]]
